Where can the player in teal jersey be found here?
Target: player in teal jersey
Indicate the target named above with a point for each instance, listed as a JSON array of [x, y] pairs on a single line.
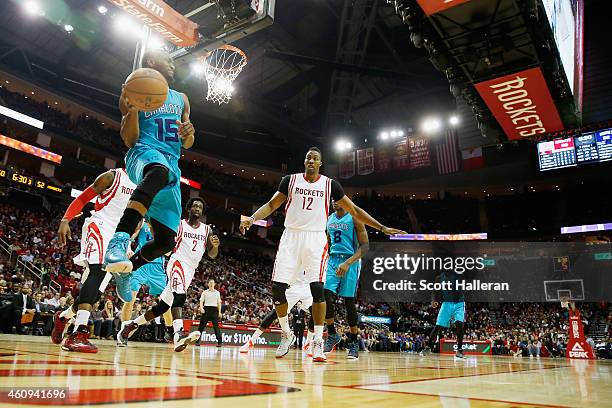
[[155, 140], [348, 242]]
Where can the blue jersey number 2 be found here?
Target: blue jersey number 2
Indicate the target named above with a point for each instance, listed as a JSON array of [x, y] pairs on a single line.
[[167, 126]]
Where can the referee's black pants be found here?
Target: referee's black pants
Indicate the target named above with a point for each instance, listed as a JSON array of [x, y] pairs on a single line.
[[211, 314]]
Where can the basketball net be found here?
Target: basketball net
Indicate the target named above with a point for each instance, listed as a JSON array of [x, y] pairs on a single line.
[[221, 67]]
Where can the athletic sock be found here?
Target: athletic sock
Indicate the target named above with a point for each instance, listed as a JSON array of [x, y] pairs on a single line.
[[331, 328], [68, 313], [284, 323], [177, 325], [318, 332], [140, 320], [82, 318], [129, 221], [256, 335]]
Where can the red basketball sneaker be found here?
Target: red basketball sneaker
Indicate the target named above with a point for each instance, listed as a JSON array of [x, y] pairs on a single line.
[[79, 342], [59, 324]]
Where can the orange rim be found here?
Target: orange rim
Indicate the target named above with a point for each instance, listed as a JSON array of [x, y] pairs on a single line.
[[229, 48]]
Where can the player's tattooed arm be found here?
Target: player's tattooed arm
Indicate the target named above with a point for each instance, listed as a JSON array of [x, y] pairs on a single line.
[[264, 211], [186, 130], [130, 130], [74, 210], [364, 246], [213, 246]]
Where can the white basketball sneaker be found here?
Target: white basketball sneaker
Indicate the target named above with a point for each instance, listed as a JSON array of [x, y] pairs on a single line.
[[246, 347], [308, 349], [317, 351], [287, 340]]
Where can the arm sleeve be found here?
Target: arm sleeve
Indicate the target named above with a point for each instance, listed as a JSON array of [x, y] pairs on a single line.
[[283, 187], [337, 191]]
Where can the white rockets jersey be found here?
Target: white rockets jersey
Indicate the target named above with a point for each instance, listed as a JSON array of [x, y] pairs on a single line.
[[191, 243], [110, 205], [307, 203]]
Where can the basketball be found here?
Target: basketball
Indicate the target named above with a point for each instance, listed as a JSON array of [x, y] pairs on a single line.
[[146, 89]]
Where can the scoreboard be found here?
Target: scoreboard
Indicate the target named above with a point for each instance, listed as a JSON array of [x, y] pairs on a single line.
[[17, 178], [590, 147], [556, 154]]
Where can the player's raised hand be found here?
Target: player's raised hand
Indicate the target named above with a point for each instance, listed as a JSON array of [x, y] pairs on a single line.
[[392, 231], [245, 225], [185, 130], [214, 241]]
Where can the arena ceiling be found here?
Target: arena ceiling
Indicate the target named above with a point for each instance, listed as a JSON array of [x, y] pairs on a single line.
[[282, 98]]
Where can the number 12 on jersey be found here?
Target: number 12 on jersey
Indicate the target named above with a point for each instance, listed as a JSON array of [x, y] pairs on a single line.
[[306, 203]]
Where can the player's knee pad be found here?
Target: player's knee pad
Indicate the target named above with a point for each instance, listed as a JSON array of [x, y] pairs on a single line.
[[179, 300], [155, 178], [330, 300], [278, 293], [351, 311], [91, 287], [160, 308], [318, 292]]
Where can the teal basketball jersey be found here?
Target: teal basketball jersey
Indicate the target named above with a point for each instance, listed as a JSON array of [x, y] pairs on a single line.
[[158, 129], [342, 235]]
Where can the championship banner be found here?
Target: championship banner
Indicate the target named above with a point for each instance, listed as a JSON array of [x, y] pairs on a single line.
[[475, 347], [419, 152], [163, 19], [383, 158], [401, 159], [347, 165], [435, 6], [234, 334], [365, 161], [521, 103]]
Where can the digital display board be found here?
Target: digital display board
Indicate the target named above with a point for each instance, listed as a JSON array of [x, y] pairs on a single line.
[[22, 179], [586, 148], [589, 147], [556, 154]]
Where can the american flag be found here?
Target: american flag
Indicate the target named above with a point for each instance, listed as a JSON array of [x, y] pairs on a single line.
[[447, 153]]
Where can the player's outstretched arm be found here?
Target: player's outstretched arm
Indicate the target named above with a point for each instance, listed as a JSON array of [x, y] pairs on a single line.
[[364, 246], [264, 211], [362, 216], [130, 130], [213, 246], [186, 131], [102, 182]]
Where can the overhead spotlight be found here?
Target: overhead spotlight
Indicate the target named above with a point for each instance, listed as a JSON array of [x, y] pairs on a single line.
[[431, 125], [69, 28], [155, 43], [33, 8], [348, 145], [384, 135], [400, 133], [342, 145], [393, 134], [102, 10], [453, 120]]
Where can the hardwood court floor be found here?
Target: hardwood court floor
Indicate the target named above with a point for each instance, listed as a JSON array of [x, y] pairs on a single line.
[[147, 374]]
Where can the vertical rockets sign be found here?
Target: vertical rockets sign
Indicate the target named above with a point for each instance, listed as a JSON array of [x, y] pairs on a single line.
[[435, 6], [521, 103]]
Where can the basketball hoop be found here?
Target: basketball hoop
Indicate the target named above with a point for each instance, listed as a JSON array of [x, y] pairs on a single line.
[[221, 67]]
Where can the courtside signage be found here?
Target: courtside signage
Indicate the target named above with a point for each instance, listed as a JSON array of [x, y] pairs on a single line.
[[475, 347], [376, 319], [521, 103], [163, 19], [435, 6]]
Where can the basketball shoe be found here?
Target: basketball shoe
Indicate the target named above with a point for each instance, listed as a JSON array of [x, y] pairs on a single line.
[[123, 286], [79, 342], [459, 354], [353, 350], [116, 259], [59, 325], [287, 340], [308, 348], [246, 347], [317, 351], [127, 329], [331, 342], [182, 340]]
